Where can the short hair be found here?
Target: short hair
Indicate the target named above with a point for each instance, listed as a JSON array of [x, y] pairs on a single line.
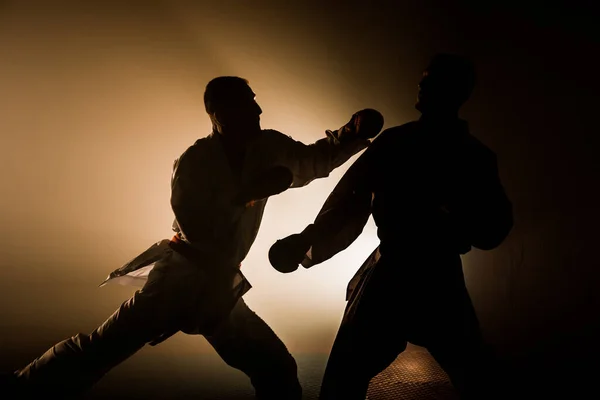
[[219, 90]]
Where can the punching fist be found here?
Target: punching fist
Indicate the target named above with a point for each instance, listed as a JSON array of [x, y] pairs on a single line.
[[364, 124], [287, 253], [273, 181]]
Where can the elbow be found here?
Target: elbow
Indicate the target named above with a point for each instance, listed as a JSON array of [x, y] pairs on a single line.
[[301, 181]]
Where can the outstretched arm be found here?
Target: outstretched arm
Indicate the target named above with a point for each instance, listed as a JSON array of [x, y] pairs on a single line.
[[339, 223], [318, 159]]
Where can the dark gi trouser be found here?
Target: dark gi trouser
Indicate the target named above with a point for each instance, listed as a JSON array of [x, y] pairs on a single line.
[[418, 299], [177, 296]]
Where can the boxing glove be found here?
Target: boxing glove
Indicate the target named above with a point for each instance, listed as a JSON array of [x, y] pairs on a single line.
[[286, 254], [364, 124]]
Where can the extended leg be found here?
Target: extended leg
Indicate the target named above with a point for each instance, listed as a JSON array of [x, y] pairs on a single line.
[[72, 366], [75, 364]]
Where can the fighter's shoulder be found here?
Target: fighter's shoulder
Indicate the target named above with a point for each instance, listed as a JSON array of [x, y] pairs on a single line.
[[399, 131], [197, 152], [273, 134], [274, 140], [394, 135]]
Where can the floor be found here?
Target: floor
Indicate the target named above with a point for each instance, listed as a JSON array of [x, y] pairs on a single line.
[[414, 375], [159, 375]]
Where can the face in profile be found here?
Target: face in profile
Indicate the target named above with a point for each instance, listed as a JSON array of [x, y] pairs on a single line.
[[424, 92], [241, 113], [435, 92], [445, 85]]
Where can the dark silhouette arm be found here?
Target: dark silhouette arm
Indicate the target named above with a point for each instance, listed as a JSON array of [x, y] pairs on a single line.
[[343, 216]]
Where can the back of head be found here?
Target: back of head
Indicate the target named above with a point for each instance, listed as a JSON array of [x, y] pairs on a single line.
[[222, 91]]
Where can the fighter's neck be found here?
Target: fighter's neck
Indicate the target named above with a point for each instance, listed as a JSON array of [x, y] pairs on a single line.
[[235, 148]]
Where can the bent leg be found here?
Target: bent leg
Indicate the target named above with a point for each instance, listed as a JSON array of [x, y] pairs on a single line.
[[244, 341], [74, 365]]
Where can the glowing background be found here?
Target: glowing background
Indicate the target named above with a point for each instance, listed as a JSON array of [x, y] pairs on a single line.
[[98, 98], [101, 103]]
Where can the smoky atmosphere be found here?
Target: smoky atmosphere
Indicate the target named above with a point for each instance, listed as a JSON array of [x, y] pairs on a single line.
[[99, 98]]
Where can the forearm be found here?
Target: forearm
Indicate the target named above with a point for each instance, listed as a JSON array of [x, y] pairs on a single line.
[[335, 230], [343, 215], [318, 242], [319, 159]]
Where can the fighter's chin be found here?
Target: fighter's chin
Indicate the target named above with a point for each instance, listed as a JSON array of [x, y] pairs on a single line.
[[251, 126], [419, 106]]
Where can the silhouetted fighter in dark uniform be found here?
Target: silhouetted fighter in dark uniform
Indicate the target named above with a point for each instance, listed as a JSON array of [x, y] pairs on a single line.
[[434, 192]]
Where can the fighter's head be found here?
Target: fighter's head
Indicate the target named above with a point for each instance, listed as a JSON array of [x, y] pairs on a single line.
[[446, 85], [231, 105]]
